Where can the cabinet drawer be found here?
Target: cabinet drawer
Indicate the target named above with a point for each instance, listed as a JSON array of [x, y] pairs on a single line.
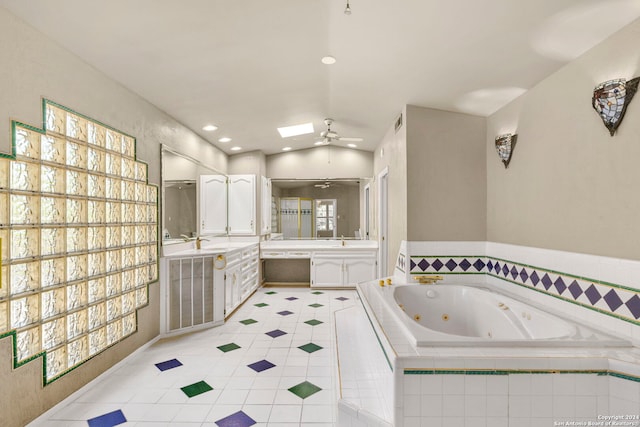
[[299, 254], [251, 252], [273, 254], [233, 257]]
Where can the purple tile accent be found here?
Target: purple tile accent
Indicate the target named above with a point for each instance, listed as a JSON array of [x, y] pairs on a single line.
[[560, 286], [505, 270], [523, 275], [412, 264], [534, 278], [465, 264], [437, 265], [546, 281], [489, 265], [496, 267], [514, 272], [291, 298], [451, 264], [479, 265], [593, 294], [262, 365], [634, 306], [169, 364], [276, 333], [108, 420], [238, 419], [423, 264], [575, 289], [342, 298], [285, 313], [613, 300]]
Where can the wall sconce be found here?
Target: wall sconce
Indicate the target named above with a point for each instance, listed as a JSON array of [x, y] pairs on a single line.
[[504, 146], [610, 100]]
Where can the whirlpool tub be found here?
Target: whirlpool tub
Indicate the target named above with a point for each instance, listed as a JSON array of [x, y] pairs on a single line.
[[460, 315]]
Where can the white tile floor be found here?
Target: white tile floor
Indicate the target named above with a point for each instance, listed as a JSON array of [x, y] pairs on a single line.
[[148, 396]]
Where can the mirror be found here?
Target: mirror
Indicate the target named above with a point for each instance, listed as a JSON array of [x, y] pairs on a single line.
[[319, 209], [180, 180]]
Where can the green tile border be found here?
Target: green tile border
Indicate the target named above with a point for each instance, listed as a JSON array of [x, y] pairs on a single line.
[[12, 334], [600, 372]]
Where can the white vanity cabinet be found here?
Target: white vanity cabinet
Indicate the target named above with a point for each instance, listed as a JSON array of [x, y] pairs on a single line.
[[212, 199], [340, 269], [191, 296], [242, 205], [241, 276], [265, 198]]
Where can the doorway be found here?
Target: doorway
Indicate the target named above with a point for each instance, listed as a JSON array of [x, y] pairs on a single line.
[[383, 199]]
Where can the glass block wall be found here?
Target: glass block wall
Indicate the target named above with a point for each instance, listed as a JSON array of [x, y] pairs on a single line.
[[78, 230]]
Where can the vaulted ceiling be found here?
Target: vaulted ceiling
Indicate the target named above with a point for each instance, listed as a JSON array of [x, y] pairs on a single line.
[[250, 66]]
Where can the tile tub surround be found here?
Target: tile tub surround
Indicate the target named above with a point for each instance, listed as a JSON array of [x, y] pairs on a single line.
[[443, 386], [275, 371], [599, 291]]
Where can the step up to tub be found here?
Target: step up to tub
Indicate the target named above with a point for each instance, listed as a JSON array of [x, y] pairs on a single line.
[[365, 377]]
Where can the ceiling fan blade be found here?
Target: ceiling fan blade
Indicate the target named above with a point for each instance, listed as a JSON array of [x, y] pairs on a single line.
[[350, 139]]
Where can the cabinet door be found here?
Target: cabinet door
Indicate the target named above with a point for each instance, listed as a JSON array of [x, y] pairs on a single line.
[[265, 197], [242, 203], [326, 272], [359, 270], [232, 292], [212, 199]]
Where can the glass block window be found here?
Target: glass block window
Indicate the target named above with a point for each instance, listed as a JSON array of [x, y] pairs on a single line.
[[78, 239]]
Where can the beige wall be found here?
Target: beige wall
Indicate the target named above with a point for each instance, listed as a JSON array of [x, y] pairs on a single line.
[[34, 67], [570, 186], [391, 155], [446, 175], [328, 161]]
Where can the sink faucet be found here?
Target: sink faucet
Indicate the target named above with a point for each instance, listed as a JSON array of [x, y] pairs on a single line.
[[197, 239]]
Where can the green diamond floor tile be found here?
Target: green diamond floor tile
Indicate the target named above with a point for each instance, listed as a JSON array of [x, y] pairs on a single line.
[[248, 321], [261, 304], [304, 389], [317, 293], [229, 347], [196, 389], [313, 322], [316, 305], [271, 292], [310, 348]]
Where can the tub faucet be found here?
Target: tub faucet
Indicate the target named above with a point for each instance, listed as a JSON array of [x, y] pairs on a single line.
[[427, 279], [342, 239]]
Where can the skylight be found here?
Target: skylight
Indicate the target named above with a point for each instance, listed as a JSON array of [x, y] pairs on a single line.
[[296, 130]]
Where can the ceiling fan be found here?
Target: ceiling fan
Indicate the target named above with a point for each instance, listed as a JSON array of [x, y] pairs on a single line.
[[326, 184], [327, 136]]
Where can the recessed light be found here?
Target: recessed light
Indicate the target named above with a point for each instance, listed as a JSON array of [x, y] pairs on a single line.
[[210, 128], [286, 149], [351, 145], [236, 148], [296, 130], [224, 139], [328, 60]]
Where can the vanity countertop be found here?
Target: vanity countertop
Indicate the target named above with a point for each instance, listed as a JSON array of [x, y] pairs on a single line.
[[187, 249], [318, 245]]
